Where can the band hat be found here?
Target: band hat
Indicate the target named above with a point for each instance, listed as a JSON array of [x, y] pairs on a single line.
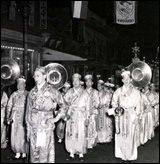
[[109, 85], [88, 77], [41, 69], [101, 82], [152, 84], [125, 73], [76, 75], [21, 79], [106, 84], [81, 83], [66, 85]]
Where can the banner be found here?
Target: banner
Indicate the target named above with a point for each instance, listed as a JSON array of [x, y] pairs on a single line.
[[31, 15], [125, 12], [43, 15], [79, 9]]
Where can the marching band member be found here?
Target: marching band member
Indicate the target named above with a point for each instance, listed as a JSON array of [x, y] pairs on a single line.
[[65, 88], [4, 100], [82, 84], [154, 99], [144, 118], [92, 105], [61, 124], [105, 127], [150, 114], [75, 139], [41, 103], [128, 98], [15, 113]]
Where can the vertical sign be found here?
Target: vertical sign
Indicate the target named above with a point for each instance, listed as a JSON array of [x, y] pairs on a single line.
[[12, 11], [43, 15], [31, 16], [125, 12]]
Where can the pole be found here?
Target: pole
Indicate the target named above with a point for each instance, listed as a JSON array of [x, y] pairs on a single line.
[[25, 38]]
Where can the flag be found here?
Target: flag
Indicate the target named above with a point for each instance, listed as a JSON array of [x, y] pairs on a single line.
[[125, 12], [79, 9], [43, 15]]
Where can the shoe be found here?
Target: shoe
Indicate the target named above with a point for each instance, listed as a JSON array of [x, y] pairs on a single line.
[[14, 158], [81, 159], [70, 158], [90, 149]]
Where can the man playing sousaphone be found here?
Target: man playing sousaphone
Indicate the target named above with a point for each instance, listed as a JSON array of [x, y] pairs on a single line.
[[127, 98]]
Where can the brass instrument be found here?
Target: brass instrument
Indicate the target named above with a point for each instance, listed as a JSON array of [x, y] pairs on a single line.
[[10, 71], [56, 75], [141, 74]]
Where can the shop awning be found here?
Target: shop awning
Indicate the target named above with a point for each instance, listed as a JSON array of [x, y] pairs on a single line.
[[52, 55]]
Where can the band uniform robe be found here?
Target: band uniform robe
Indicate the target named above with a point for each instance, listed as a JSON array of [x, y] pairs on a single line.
[[75, 137], [153, 97], [91, 114], [16, 109], [126, 140], [105, 123], [4, 100], [41, 105], [151, 116], [144, 128]]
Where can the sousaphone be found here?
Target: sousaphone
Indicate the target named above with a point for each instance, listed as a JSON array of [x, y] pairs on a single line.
[[56, 75], [10, 71], [141, 73]]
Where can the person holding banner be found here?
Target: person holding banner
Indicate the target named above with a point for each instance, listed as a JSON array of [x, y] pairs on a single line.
[[15, 115], [41, 103], [127, 98]]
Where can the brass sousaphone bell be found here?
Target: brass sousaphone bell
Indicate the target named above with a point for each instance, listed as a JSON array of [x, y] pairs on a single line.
[[10, 71], [56, 75], [141, 74]]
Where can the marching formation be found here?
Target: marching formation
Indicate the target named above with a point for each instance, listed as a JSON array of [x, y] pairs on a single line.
[[85, 117]]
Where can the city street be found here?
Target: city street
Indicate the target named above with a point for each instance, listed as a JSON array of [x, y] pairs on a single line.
[[149, 153]]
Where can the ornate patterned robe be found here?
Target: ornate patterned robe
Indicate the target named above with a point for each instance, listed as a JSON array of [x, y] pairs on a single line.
[[105, 123], [126, 140], [92, 106], [16, 108], [41, 105], [145, 119], [75, 138], [4, 101], [153, 98]]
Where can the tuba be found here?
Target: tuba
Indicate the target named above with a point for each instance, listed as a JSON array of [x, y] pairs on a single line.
[[141, 74], [56, 75], [10, 71]]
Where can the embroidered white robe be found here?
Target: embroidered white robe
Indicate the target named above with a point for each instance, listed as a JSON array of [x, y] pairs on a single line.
[[41, 105], [105, 123], [4, 100], [126, 140], [75, 137], [16, 110], [92, 105]]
